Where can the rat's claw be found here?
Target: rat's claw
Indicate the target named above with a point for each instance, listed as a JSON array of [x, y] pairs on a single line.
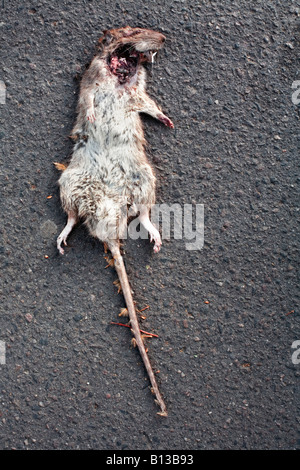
[[60, 249], [157, 247], [61, 240], [167, 122], [91, 117], [155, 236]]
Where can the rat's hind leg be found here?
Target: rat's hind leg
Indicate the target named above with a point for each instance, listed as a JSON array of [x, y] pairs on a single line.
[[62, 238], [153, 232]]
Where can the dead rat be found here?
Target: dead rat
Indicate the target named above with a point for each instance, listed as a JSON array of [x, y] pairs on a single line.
[[109, 170]]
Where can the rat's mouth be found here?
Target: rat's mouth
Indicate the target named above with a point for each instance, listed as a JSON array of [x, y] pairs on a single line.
[[124, 61]]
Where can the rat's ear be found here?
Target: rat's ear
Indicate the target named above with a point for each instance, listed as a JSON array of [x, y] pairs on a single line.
[[106, 38]]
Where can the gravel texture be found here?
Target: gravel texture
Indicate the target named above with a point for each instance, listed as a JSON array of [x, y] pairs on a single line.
[[226, 315]]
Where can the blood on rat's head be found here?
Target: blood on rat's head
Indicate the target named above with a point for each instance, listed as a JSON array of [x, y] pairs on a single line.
[[127, 48]]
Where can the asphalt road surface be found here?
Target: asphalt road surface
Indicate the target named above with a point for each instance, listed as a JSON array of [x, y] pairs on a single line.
[[226, 315]]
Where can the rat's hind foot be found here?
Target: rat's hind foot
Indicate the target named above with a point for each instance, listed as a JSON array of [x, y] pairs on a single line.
[[155, 236], [62, 238], [153, 232]]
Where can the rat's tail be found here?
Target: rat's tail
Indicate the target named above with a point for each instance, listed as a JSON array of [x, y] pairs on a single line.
[[121, 271]]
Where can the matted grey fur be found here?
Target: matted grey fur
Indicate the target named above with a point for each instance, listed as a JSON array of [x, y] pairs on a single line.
[[109, 170]]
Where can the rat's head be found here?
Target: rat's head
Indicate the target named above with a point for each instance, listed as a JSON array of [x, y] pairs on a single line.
[[125, 48]]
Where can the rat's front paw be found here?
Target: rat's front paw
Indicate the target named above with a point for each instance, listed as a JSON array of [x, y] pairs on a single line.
[[167, 122], [90, 115]]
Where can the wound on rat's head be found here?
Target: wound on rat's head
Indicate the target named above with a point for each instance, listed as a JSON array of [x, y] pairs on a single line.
[[123, 62], [129, 47]]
